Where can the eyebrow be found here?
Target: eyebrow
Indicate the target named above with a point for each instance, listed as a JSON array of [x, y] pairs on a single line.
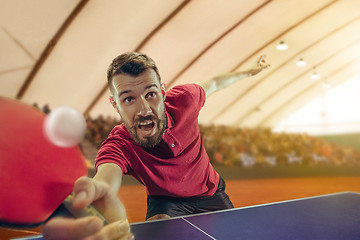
[[147, 87]]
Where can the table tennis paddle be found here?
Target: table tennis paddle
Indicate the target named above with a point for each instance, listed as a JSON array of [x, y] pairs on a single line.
[[36, 175]]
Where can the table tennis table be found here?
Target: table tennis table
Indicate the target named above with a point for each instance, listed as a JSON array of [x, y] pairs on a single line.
[[331, 216]]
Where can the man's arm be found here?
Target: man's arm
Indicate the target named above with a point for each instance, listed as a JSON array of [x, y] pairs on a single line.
[[224, 80], [111, 175]]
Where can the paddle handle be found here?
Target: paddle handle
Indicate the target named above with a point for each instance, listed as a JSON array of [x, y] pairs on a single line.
[[87, 211]]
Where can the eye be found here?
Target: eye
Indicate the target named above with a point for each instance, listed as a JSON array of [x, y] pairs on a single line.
[[151, 95], [128, 99]]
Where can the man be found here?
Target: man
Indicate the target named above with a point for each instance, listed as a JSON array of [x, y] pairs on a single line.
[[159, 143]]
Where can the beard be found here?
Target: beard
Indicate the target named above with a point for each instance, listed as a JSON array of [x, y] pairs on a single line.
[[148, 142]]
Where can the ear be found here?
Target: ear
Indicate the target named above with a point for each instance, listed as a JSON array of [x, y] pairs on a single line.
[[163, 90], [113, 103]]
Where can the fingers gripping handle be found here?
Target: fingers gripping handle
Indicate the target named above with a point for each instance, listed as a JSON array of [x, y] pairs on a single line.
[[84, 212]]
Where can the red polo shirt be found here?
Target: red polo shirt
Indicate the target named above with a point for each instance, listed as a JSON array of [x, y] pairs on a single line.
[[178, 166]]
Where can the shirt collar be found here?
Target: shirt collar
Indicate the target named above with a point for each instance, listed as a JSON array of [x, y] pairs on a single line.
[[169, 121]]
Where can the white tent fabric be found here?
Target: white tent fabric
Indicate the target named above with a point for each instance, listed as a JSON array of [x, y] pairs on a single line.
[[57, 52]]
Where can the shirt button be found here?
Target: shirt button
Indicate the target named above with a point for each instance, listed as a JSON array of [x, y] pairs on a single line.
[[173, 145]]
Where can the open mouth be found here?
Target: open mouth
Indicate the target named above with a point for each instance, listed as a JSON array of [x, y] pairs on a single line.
[[146, 127]]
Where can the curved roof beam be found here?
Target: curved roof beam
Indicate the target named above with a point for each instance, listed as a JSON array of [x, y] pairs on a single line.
[[141, 45], [288, 102], [215, 42], [239, 121], [48, 49], [261, 49]]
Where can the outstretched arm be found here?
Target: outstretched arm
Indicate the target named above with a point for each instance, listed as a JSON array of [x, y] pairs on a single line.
[[224, 80]]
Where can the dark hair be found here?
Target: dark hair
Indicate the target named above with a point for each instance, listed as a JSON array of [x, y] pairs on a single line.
[[131, 63]]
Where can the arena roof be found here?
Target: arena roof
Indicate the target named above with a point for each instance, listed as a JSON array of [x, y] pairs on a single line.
[[57, 52]]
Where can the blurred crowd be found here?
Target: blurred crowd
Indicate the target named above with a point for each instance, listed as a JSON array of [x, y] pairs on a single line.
[[46, 108], [249, 147], [99, 128], [262, 147]]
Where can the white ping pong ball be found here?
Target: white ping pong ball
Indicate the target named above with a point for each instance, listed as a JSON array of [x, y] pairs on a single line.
[[65, 126]]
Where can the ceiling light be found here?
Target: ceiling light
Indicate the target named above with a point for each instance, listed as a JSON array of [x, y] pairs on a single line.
[[326, 85], [301, 63], [282, 46], [314, 76]]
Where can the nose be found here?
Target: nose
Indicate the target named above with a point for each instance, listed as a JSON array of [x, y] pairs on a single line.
[[144, 108]]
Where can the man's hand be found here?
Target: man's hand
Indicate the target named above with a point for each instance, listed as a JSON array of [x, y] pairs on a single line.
[[85, 228], [259, 66], [89, 191]]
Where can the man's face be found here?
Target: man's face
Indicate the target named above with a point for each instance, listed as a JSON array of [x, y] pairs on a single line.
[[140, 103]]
